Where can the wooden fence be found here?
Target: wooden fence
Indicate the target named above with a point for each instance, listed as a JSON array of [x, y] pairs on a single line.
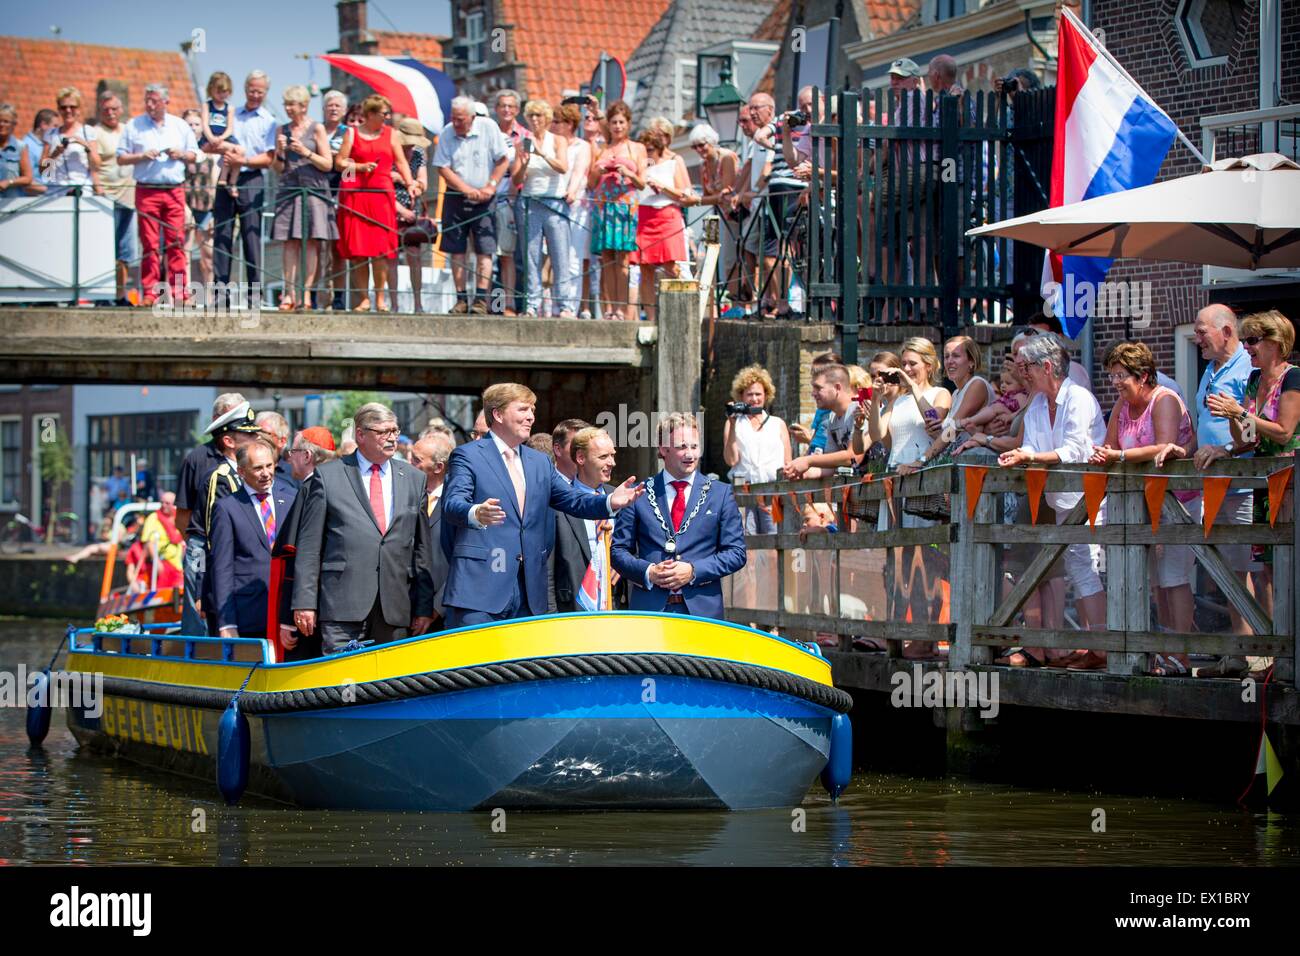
[[864, 582]]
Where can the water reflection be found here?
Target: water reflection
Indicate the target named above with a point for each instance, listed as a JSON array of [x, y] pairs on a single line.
[[61, 806]]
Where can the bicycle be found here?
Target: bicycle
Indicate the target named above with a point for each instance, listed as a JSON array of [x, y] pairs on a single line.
[[21, 534]]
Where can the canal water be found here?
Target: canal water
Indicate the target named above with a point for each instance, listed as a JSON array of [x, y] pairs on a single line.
[[61, 806]]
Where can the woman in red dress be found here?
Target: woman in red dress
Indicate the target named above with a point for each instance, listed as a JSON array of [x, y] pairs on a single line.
[[661, 227], [367, 202]]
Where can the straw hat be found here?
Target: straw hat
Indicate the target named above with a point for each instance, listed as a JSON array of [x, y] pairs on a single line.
[[411, 133]]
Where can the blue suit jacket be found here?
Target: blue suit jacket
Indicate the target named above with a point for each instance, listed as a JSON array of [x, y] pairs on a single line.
[[484, 562], [714, 544], [240, 562]]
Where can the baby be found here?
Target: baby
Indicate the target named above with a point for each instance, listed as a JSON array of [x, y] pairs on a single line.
[[1012, 397]]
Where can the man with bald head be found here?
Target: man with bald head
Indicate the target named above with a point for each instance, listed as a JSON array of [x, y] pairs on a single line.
[[942, 77], [1229, 369]]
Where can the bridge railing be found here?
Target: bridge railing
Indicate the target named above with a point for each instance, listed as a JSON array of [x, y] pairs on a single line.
[[957, 580]]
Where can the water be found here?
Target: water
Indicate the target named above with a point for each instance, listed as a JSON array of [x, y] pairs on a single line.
[[61, 806]]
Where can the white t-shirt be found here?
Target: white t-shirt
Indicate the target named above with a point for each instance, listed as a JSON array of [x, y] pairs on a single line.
[[71, 167]]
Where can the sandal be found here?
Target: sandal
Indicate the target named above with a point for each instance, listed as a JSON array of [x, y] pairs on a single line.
[[1168, 666], [1025, 659], [286, 304], [1231, 667], [1088, 662]]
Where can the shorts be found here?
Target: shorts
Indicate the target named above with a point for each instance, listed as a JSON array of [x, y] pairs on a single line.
[[202, 220], [1171, 565], [506, 228], [462, 221], [125, 235], [1083, 561], [1237, 509]]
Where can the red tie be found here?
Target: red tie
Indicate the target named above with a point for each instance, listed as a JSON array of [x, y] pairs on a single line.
[[377, 498], [679, 504]]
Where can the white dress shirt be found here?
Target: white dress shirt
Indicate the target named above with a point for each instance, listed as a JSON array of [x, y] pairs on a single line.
[[1078, 428], [385, 483], [143, 134], [588, 522], [502, 448]]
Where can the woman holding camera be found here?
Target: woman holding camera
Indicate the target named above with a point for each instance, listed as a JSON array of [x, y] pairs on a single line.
[[70, 157], [755, 445]]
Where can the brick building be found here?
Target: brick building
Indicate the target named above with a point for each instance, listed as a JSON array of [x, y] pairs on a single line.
[[357, 39], [1200, 60]]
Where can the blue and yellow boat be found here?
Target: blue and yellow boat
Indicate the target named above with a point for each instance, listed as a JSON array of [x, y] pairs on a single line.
[[619, 710]]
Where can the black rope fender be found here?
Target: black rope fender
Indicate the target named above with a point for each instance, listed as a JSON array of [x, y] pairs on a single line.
[[489, 675]]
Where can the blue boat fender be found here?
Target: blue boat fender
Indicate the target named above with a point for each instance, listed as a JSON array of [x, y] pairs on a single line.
[[839, 765], [39, 708], [233, 753]]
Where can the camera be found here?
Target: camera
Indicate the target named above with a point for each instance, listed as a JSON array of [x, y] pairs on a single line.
[[797, 118], [63, 141], [740, 408], [528, 146], [1010, 84]]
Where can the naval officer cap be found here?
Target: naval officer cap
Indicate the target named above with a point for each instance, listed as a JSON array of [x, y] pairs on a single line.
[[241, 418]]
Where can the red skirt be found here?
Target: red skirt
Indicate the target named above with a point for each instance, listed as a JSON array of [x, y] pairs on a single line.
[[367, 225], [660, 235]]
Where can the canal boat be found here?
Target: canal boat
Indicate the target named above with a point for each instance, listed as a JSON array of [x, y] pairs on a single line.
[[614, 710]]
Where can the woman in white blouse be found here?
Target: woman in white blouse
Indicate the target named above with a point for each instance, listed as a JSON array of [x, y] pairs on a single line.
[[69, 158], [962, 362], [755, 445]]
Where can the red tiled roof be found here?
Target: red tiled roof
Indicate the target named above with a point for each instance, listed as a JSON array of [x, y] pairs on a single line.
[[559, 42], [37, 69], [888, 16], [773, 28], [422, 46]]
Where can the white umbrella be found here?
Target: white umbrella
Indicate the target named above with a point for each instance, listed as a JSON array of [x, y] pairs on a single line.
[[1241, 213]]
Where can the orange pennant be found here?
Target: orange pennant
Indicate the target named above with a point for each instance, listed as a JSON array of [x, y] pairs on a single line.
[[1277, 483], [1094, 490], [808, 497], [848, 489], [1215, 490], [889, 487], [1035, 482], [1155, 494], [974, 483], [778, 510], [869, 477]]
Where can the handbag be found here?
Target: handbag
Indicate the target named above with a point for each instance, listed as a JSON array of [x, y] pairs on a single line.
[[422, 231], [937, 507]]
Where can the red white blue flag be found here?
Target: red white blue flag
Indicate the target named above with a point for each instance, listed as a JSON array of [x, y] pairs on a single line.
[[596, 592], [413, 88], [1110, 136]]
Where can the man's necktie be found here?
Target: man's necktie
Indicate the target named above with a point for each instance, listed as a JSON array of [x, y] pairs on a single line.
[[429, 503], [679, 503], [516, 475], [377, 499], [268, 516]]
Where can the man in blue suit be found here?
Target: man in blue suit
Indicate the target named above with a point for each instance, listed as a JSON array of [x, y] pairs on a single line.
[[498, 552], [675, 545], [243, 530]]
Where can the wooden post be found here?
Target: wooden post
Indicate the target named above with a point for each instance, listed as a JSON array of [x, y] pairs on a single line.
[[974, 572], [1128, 586], [679, 347]]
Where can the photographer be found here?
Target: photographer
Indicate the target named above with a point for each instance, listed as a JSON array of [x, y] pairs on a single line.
[[755, 445]]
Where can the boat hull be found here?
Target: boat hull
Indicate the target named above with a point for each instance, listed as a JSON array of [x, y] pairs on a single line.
[[643, 740]]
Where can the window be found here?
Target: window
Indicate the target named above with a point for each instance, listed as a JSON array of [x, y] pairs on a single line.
[[11, 463], [1209, 28], [475, 34], [158, 442]]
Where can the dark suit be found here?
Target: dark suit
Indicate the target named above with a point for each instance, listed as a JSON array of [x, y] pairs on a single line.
[[713, 543], [284, 472], [570, 559], [438, 560], [500, 573], [285, 552], [241, 559], [362, 584]]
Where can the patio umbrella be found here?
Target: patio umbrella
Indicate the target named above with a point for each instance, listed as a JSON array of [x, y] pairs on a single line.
[[1240, 213]]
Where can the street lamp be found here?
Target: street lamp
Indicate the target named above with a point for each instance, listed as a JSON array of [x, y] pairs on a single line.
[[722, 107]]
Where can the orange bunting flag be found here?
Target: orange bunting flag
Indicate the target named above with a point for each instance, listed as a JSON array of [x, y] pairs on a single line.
[[1155, 494], [808, 497], [974, 482], [1094, 490], [1215, 490], [778, 510], [1277, 483], [1035, 482], [869, 477], [844, 497], [889, 487]]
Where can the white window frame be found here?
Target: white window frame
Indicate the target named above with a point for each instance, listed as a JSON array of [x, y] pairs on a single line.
[[475, 37], [12, 506], [1187, 21], [1185, 373]]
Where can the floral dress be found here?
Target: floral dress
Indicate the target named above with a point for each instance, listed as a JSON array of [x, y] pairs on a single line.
[[614, 222], [1266, 409]]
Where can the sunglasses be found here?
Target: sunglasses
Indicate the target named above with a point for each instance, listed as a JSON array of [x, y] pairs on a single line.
[[1253, 340]]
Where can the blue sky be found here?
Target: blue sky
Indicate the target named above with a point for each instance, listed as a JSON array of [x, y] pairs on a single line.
[[240, 35]]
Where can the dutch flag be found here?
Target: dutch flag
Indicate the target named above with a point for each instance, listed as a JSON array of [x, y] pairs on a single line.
[[413, 88], [1110, 136]]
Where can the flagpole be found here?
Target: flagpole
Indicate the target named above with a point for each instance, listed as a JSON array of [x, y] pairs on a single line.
[[1096, 45]]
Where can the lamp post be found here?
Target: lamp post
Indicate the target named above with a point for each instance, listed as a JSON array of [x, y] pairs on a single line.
[[722, 107]]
